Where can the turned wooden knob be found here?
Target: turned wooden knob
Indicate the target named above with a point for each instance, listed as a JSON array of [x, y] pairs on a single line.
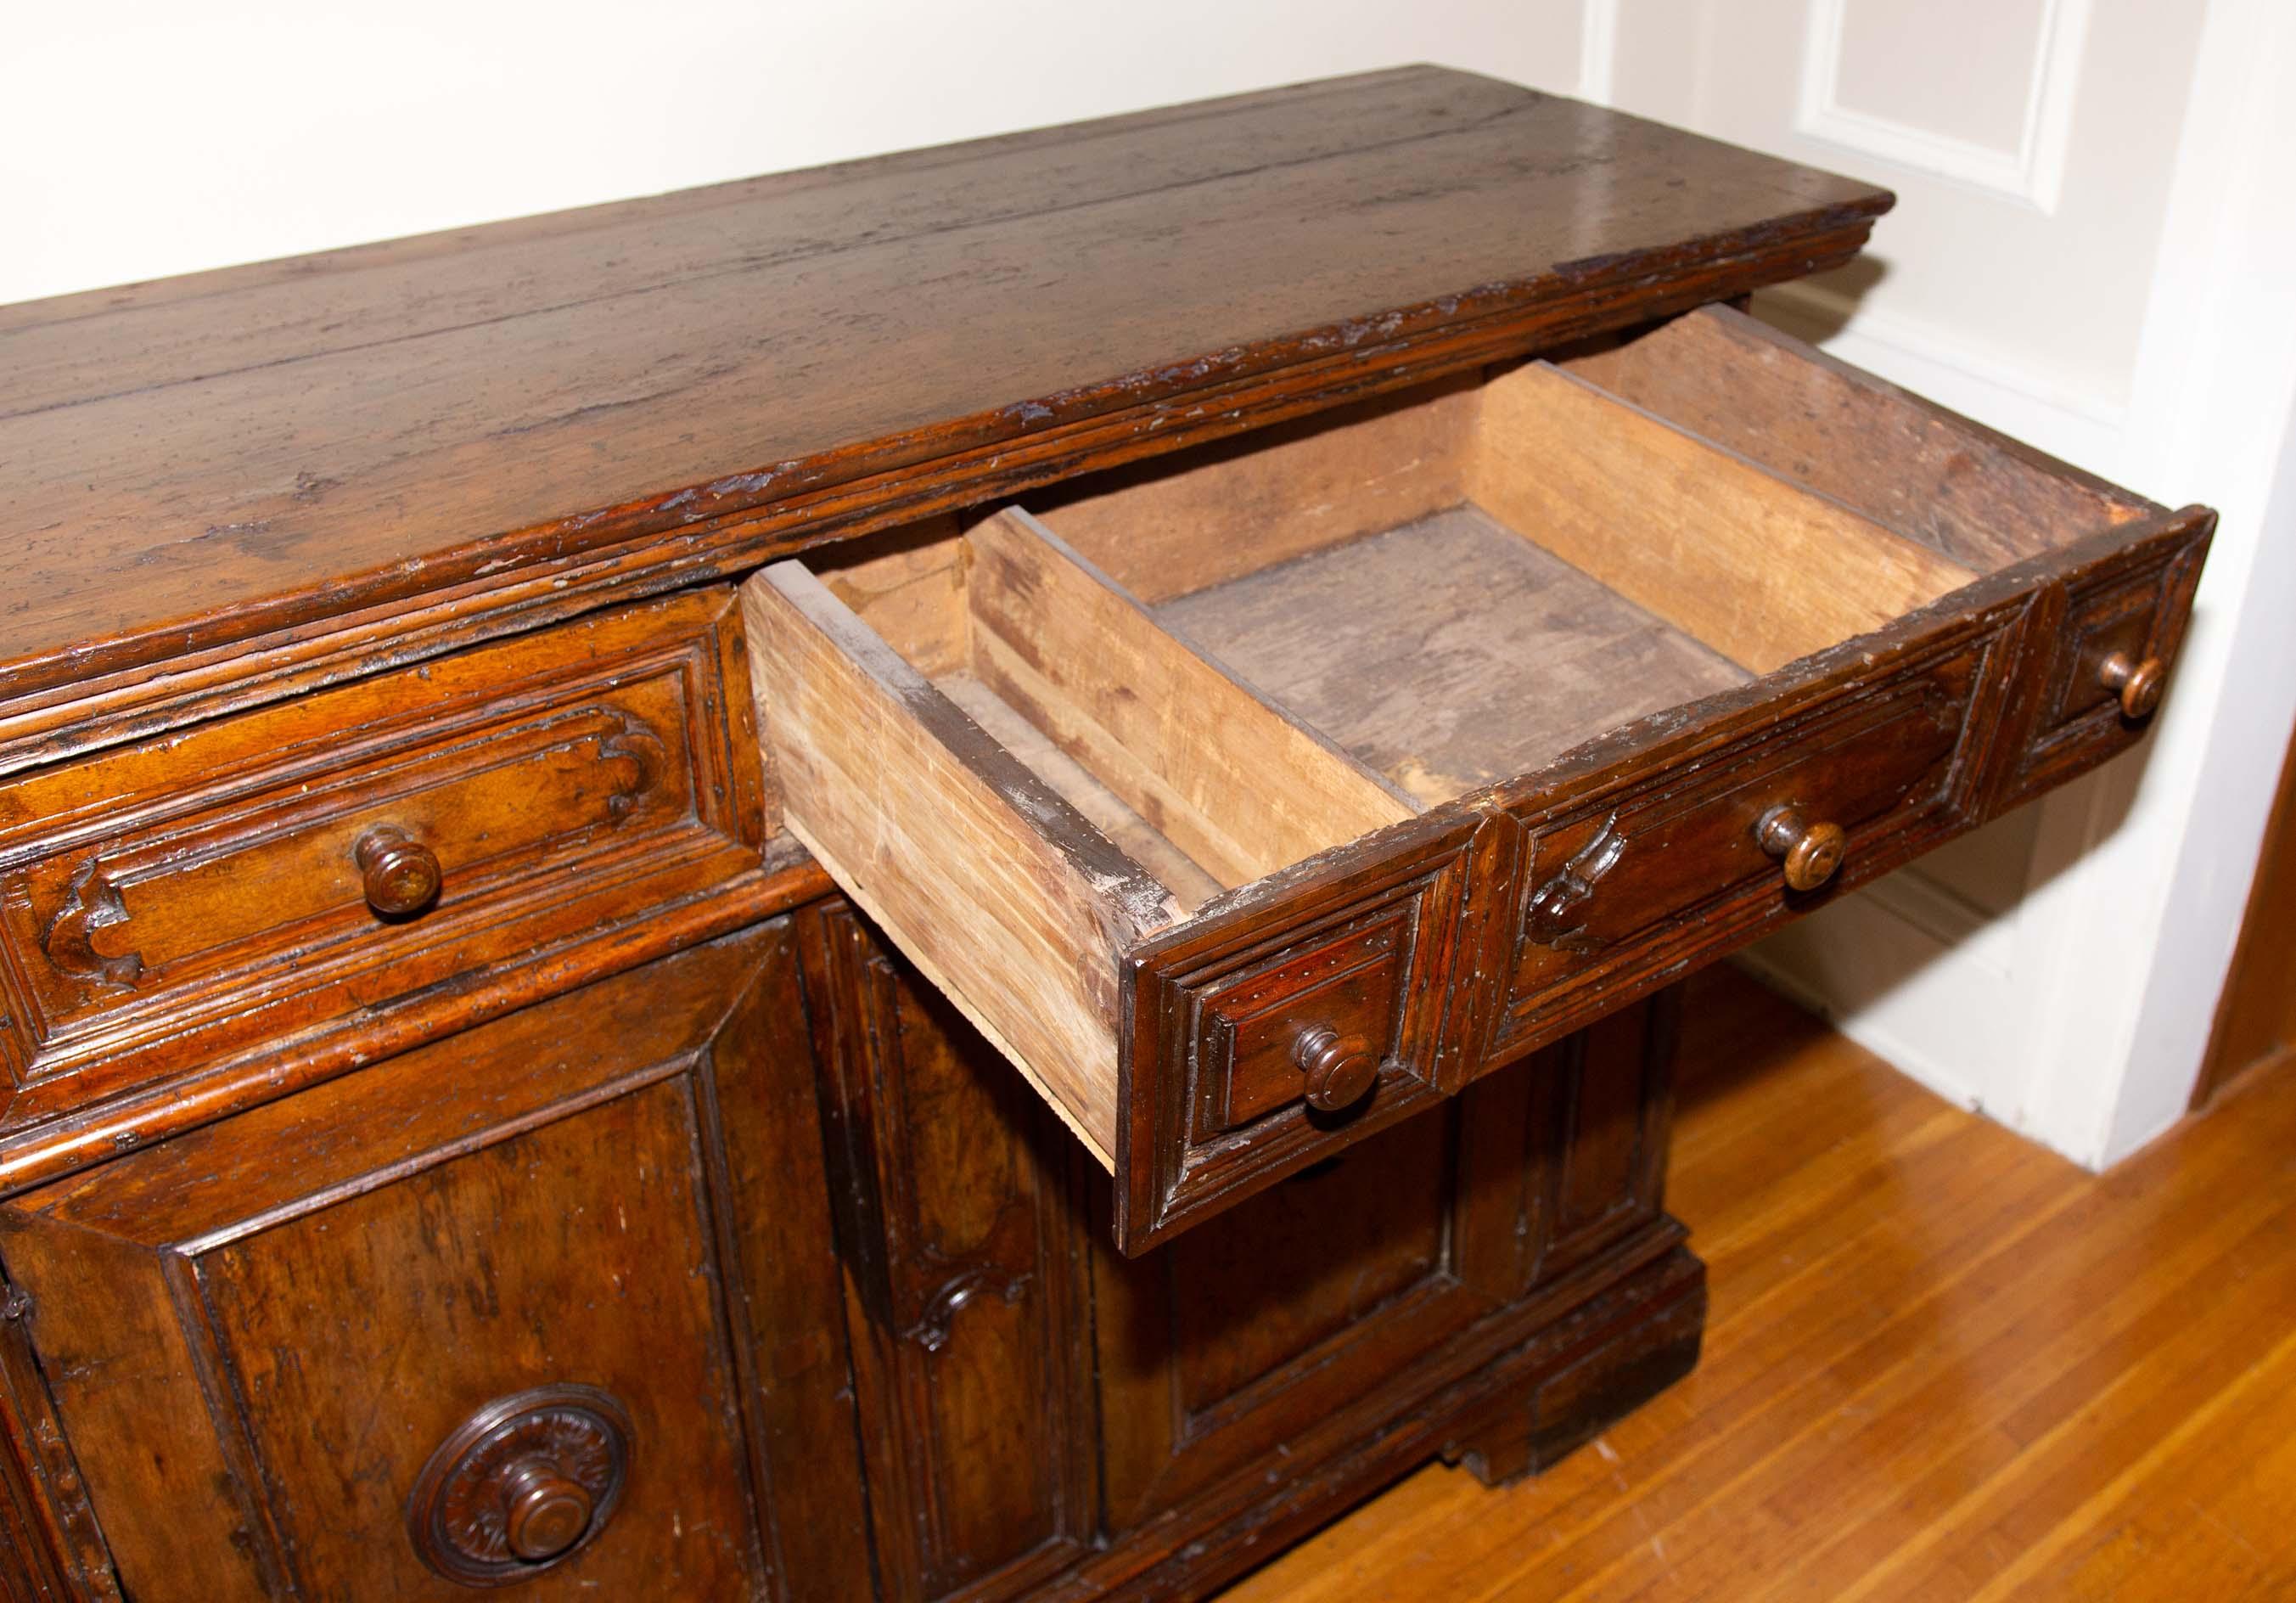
[[398, 872], [522, 1485], [1811, 852], [543, 1513], [1339, 1068], [2138, 683]]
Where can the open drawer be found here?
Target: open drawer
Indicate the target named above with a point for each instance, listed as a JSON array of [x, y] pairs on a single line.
[[1254, 797]]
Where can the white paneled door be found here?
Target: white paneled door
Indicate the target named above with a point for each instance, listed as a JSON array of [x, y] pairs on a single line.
[[2087, 254]]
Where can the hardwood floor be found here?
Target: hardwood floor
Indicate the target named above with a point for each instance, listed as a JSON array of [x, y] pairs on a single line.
[[1943, 1363]]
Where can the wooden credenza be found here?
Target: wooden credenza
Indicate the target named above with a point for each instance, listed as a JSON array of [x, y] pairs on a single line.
[[955, 877]]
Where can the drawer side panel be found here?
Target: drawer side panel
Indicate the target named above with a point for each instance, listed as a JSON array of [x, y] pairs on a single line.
[[999, 891]]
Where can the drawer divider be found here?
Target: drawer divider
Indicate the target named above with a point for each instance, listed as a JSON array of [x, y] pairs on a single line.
[[1757, 567], [1239, 785]]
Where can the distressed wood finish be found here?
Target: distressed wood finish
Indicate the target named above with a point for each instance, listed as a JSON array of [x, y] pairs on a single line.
[[310, 458], [1577, 847], [451, 1132], [569, 954], [1019, 905], [1721, 550], [1976, 497], [51, 1549], [1426, 1293], [965, 1279], [622, 1190], [1448, 652], [1045, 931], [166, 903], [1236, 784], [1165, 529]]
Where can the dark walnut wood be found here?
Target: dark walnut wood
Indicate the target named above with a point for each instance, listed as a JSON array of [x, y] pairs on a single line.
[[172, 908], [1018, 741], [2138, 684], [1034, 1418], [1426, 1293], [1808, 852], [960, 1222], [452, 1137], [574, 1258], [1340, 1069], [260, 475], [522, 1485], [398, 872], [49, 1545]]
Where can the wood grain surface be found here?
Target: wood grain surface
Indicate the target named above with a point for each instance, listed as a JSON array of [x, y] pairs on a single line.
[[268, 447], [1171, 526], [259, 1333], [1971, 495], [967, 1292], [1943, 1363], [1080, 788], [975, 865], [1237, 783], [188, 896], [1450, 653], [1721, 547]]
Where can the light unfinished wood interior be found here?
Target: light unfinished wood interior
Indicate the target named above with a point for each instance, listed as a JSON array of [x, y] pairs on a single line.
[[1020, 774], [1463, 582], [1162, 748], [1027, 743]]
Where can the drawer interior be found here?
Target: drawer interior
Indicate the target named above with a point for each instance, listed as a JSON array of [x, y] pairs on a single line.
[[1196, 777], [1021, 774], [1030, 741], [1460, 585]]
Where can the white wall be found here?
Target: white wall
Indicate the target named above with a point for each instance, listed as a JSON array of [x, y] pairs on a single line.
[[2090, 252], [145, 137]]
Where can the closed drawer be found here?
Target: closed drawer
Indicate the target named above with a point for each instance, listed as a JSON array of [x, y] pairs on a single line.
[[272, 871], [1255, 798]]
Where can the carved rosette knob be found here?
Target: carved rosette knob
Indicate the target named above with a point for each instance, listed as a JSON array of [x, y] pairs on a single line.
[[1340, 1069], [398, 872], [521, 1485], [2137, 683], [1809, 852]]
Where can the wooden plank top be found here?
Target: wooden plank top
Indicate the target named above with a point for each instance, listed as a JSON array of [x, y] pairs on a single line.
[[248, 459]]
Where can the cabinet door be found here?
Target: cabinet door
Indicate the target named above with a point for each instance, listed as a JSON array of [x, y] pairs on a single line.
[[965, 1242], [552, 1302], [1283, 1329]]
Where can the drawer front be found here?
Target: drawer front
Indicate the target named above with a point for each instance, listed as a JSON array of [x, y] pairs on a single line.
[[311, 860], [2110, 637], [1269, 1038], [552, 1303], [1628, 885]]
